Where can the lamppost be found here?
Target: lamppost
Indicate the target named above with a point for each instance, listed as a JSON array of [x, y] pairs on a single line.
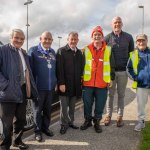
[[141, 6], [27, 3], [59, 37]]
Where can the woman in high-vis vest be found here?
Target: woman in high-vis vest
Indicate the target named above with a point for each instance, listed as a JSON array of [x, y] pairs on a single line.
[[138, 69], [98, 74]]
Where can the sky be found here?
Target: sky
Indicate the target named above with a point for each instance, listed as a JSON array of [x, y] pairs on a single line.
[[63, 16]]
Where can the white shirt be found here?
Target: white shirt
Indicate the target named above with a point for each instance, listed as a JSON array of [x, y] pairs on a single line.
[[23, 62]]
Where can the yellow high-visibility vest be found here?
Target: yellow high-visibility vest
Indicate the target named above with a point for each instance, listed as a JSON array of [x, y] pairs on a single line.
[[135, 60], [106, 64]]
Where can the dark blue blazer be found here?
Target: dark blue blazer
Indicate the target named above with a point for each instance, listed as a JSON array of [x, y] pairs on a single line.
[[10, 89], [45, 77]]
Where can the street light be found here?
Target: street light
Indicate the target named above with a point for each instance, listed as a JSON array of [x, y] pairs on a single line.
[[141, 6], [27, 3], [59, 37]]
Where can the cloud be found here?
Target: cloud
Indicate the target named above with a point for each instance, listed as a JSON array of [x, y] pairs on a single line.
[[61, 17]]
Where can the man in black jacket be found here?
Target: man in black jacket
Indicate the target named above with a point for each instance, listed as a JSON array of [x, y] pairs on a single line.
[[16, 84], [122, 44], [69, 64]]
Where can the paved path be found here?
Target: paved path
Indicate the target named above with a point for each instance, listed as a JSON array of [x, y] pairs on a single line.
[[112, 137]]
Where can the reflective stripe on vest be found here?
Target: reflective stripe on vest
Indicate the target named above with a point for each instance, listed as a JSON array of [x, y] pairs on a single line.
[[106, 68], [135, 60], [88, 64]]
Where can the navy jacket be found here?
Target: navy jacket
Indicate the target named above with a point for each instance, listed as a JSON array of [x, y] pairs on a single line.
[[121, 47], [45, 77], [10, 89], [143, 75]]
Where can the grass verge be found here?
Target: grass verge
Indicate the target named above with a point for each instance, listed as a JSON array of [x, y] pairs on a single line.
[[145, 138]]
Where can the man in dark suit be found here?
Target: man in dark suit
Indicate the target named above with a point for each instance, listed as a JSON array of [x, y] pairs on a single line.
[[16, 84]]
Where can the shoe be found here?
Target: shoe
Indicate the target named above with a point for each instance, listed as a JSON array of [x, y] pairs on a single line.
[[98, 128], [140, 125], [73, 126], [86, 124], [63, 129], [21, 145], [120, 121], [48, 132], [97, 125], [38, 137], [107, 121]]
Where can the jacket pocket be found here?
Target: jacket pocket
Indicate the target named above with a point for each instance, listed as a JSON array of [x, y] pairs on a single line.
[[8, 95]]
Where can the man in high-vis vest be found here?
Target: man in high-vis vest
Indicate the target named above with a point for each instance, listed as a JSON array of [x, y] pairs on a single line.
[[98, 74], [138, 69]]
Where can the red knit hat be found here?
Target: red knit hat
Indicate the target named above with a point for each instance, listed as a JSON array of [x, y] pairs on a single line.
[[98, 29]]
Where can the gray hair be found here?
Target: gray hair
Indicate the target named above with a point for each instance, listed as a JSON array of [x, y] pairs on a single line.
[[73, 33], [16, 30], [117, 18]]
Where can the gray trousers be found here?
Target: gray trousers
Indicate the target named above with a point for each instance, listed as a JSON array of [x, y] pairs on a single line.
[[142, 98], [120, 83], [67, 108]]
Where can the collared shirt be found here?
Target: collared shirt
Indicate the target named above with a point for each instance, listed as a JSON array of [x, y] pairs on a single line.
[[44, 47], [73, 49], [23, 62]]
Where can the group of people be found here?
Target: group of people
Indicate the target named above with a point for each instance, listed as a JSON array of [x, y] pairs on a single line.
[[91, 73]]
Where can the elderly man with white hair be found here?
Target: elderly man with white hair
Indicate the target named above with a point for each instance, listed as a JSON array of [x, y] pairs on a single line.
[[138, 70], [16, 84]]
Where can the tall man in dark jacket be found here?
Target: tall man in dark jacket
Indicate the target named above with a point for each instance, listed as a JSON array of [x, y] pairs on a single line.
[[122, 44], [69, 73], [16, 84], [43, 64]]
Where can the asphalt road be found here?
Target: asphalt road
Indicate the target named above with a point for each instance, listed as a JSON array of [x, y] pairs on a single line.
[[112, 137]]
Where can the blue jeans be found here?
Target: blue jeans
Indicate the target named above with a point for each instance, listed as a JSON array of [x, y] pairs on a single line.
[[91, 94]]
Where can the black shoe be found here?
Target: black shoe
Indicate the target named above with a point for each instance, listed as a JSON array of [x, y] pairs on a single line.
[[98, 128], [38, 137], [63, 129], [86, 124], [21, 145], [73, 126], [48, 132], [97, 125]]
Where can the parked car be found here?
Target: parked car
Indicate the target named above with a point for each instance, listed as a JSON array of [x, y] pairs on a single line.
[[29, 112]]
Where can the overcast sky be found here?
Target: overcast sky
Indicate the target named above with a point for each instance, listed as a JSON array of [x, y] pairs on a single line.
[[63, 16]]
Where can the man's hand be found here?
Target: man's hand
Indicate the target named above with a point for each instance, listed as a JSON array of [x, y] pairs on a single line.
[[62, 88], [110, 84]]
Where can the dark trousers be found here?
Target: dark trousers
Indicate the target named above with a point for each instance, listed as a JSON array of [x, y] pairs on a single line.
[[13, 117], [91, 94], [42, 110]]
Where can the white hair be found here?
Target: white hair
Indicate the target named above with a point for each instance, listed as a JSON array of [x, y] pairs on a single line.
[[16, 30]]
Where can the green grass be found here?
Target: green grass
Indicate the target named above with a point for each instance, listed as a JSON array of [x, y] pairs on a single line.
[[145, 138]]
